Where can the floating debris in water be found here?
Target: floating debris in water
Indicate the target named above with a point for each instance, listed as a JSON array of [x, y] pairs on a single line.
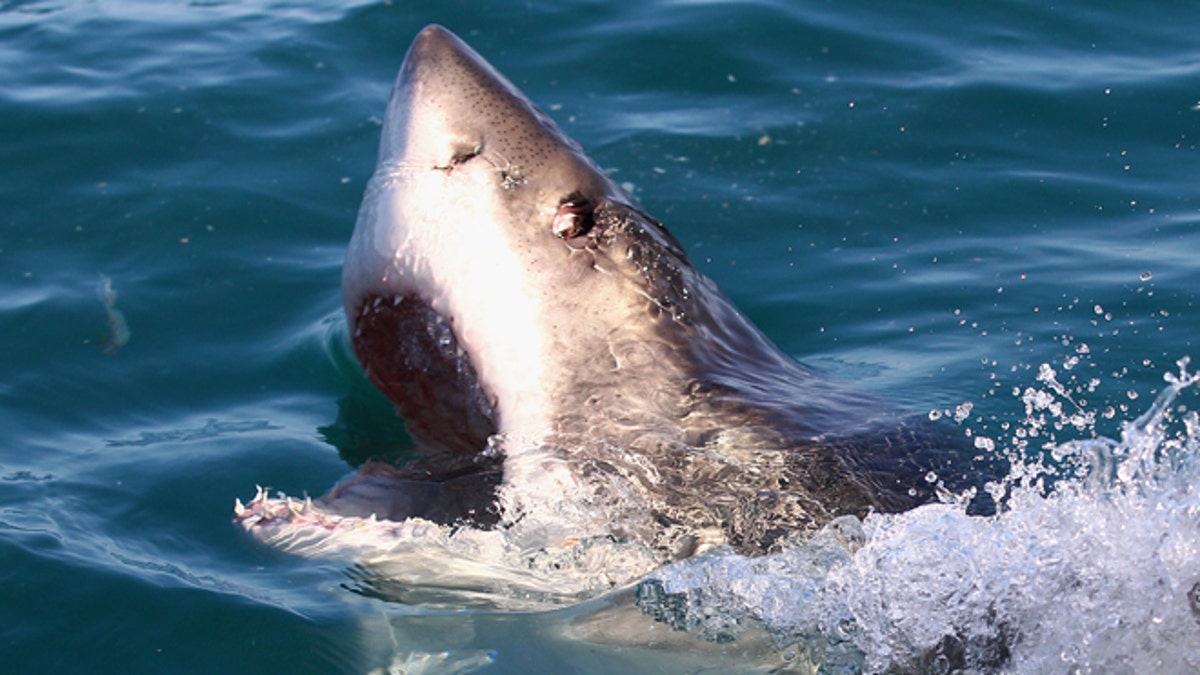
[[118, 328]]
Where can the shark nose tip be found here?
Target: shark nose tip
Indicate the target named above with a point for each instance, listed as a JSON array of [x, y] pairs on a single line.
[[435, 49], [434, 41], [433, 32]]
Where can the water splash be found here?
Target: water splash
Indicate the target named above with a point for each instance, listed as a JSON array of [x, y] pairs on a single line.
[[1092, 565]]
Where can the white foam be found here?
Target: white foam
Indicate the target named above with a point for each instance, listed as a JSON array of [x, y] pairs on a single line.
[[1090, 575]]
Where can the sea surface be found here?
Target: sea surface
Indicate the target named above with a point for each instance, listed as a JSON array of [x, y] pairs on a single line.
[[986, 211]]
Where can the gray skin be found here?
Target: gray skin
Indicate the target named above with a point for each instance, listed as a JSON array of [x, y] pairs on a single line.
[[549, 345]]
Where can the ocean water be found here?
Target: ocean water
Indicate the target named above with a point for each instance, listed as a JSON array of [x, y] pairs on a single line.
[[985, 211]]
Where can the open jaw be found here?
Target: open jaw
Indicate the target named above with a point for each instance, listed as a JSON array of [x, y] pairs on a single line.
[[584, 399]]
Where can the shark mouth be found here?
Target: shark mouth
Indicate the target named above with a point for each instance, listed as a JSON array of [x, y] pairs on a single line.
[[409, 352]]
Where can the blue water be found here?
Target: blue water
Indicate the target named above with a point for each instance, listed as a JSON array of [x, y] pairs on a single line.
[[930, 198]]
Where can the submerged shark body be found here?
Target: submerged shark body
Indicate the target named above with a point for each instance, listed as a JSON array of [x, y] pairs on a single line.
[[561, 362]]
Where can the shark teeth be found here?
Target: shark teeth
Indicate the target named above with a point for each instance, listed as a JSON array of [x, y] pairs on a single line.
[[263, 510], [305, 527]]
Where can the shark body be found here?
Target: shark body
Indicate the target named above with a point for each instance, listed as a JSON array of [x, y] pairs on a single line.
[[559, 360]]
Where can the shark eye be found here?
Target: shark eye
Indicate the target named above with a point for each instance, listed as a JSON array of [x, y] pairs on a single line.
[[574, 217]]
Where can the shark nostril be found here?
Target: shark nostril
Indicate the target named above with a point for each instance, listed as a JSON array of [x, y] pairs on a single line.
[[574, 216], [460, 157]]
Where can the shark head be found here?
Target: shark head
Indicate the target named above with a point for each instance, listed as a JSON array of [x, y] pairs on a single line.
[[496, 277]]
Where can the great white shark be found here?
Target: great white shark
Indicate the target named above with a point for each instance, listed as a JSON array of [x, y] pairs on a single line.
[[568, 374]]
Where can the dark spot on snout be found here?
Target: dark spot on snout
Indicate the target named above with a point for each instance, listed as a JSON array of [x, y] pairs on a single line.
[[574, 216]]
